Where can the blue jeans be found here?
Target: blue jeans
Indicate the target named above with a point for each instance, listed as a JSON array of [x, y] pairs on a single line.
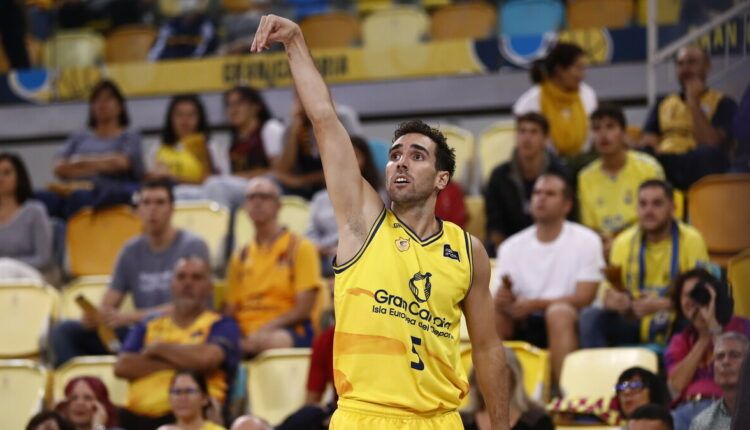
[[71, 339], [685, 412], [601, 328]]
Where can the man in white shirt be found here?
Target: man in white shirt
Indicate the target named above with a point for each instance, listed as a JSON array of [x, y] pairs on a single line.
[[546, 273]]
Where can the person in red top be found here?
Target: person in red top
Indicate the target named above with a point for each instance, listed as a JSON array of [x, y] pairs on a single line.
[[701, 300], [450, 205]]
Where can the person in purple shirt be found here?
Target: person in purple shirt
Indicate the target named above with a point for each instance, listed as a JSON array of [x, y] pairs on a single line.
[[703, 303]]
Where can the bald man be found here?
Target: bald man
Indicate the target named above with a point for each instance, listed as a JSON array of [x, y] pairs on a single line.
[[272, 281], [691, 131]]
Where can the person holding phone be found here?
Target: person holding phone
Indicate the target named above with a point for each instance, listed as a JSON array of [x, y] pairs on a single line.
[[703, 303], [87, 405]]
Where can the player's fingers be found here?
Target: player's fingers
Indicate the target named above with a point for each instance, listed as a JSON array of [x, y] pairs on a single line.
[[271, 26], [255, 45], [262, 33]]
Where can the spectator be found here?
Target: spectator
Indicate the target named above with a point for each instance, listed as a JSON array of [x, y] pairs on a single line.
[[691, 132], [183, 156], [190, 34], [646, 259], [703, 302], [509, 189], [101, 165], [547, 273], [525, 413], [191, 337], [49, 420], [256, 144], [730, 349], [608, 187], [191, 402], [25, 230], [560, 94], [87, 405], [450, 205], [741, 417], [651, 417], [143, 269], [637, 387], [272, 281], [322, 230], [741, 129]]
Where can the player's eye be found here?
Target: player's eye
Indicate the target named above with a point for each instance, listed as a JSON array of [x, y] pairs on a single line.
[[395, 156], [418, 156]]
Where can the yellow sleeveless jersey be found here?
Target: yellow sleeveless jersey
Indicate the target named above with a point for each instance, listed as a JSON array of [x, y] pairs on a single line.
[[397, 304]]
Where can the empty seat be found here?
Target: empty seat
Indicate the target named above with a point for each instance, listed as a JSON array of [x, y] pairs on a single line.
[[667, 12], [591, 373], [74, 49], [463, 21], [529, 17], [170, 8], [367, 6], [26, 312], [87, 250], [496, 145], [276, 383], [100, 366], [477, 222], [331, 30], [23, 386], [91, 287], [396, 26], [719, 207], [738, 274], [294, 214], [462, 141], [130, 43], [236, 6], [598, 13], [207, 220]]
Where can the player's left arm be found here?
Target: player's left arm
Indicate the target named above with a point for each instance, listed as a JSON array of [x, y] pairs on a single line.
[[486, 348]]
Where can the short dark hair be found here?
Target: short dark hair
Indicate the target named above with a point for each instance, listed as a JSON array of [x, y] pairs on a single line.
[[107, 85], [561, 55], [658, 393], [567, 188], [165, 184], [654, 412], [445, 156], [658, 183], [612, 111], [200, 380], [43, 416], [168, 134], [24, 190], [535, 118]]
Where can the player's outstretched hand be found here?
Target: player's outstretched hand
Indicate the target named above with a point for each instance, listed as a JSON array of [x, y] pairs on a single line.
[[273, 29]]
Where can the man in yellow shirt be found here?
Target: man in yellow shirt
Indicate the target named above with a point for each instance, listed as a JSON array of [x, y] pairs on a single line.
[[191, 337], [273, 280], [608, 186], [648, 256]]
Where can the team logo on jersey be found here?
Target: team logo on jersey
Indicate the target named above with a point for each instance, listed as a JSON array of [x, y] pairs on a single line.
[[425, 290], [449, 253], [402, 244]]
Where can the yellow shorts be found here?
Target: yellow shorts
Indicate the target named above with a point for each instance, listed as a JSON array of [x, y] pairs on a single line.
[[349, 420]]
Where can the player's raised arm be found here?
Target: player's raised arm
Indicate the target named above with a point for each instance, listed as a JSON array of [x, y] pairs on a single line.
[[355, 203]]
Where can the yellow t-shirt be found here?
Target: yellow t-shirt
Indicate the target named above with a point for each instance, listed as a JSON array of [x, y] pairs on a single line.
[[676, 121], [149, 395], [208, 425], [398, 312], [187, 160], [608, 204], [264, 281]]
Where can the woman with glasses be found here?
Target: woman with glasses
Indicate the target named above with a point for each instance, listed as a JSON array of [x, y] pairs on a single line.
[[191, 404], [637, 387]]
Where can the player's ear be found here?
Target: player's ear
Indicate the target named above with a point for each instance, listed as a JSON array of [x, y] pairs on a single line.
[[443, 177]]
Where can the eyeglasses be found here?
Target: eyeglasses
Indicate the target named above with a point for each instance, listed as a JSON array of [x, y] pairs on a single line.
[[262, 196], [629, 386], [184, 391]]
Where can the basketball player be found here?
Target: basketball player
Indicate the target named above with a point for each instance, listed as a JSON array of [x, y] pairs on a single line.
[[402, 275]]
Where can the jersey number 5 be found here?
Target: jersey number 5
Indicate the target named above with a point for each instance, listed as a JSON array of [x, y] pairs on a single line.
[[419, 365]]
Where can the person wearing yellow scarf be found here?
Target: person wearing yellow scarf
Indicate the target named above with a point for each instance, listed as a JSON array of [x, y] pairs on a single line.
[[567, 117]]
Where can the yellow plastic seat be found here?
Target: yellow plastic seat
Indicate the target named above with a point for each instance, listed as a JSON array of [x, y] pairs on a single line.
[[496, 145], [462, 141], [738, 274], [23, 387], [100, 366], [368, 6], [592, 373], [450, 22], [236, 6], [477, 222], [129, 43], [276, 383], [667, 12], [170, 8], [26, 312], [91, 287], [89, 253], [331, 30], [585, 14], [294, 214], [719, 207], [74, 49], [395, 26], [207, 220]]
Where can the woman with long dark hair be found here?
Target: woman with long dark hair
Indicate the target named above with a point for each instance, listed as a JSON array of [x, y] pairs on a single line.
[[87, 405], [191, 403], [25, 230], [560, 94]]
